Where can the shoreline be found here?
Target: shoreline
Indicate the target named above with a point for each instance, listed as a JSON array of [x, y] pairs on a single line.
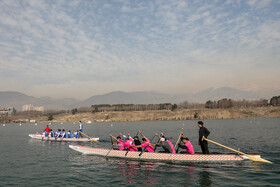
[[158, 115]]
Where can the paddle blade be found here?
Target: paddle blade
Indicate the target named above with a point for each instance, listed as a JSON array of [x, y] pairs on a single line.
[[251, 157], [258, 159], [93, 140]]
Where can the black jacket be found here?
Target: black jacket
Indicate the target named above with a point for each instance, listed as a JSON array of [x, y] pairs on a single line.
[[137, 142], [203, 131]]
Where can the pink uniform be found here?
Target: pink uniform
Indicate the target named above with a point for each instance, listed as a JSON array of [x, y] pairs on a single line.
[[120, 142], [189, 147], [127, 145], [148, 147], [171, 145]]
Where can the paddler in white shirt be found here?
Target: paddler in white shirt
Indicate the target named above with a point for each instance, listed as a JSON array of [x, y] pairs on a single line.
[[81, 129], [81, 126]]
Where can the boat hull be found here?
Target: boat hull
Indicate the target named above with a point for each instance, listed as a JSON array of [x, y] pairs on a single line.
[[160, 156], [39, 137]]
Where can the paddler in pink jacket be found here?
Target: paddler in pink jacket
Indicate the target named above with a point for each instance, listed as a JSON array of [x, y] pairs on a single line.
[[145, 143], [187, 145], [129, 144], [119, 142]]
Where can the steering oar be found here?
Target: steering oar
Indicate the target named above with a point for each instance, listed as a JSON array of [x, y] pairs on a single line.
[[92, 139], [251, 157]]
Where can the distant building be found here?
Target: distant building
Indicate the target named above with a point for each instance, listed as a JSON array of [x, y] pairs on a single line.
[[8, 111], [21, 121], [27, 107], [30, 107], [39, 108]]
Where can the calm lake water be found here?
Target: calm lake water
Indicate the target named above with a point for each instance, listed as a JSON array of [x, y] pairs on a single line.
[[28, 162]]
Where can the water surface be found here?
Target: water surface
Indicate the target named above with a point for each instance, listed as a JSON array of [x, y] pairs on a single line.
[[28, 162]]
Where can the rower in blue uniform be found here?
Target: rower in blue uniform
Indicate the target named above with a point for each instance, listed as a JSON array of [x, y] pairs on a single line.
[[51, 133], [64, 133], [58, 134], [46, 134], [70, 135], [77, 134]]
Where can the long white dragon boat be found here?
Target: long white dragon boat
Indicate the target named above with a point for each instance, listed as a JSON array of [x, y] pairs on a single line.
[[40, 137], [160, 156]]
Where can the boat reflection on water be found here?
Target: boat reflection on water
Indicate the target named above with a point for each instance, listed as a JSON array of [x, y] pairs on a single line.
[[139, 172], [136, 172], [204, 178]]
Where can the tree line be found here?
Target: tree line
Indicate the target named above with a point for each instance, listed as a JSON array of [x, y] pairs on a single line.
[[124, 107], [230, 103], [275, 101], [222, 103]]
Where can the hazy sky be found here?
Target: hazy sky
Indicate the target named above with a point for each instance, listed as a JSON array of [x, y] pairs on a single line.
[[83, 48]]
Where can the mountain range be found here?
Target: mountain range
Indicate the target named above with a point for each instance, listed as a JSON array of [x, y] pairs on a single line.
[[17, 99]]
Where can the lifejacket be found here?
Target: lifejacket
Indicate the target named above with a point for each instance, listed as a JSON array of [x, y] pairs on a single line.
[[77, 135], [59, 134], [171, 145], [70, 135], [120, 142], [52, 134], [64, 135], [150, 148]]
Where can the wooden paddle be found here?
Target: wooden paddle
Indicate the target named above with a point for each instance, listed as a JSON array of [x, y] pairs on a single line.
[[178, 142], [88, 137], [156, 144], [112, 146], [253, 158]]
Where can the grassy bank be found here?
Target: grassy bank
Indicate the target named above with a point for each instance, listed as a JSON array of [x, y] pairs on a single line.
[[184, 114], [151, 115]]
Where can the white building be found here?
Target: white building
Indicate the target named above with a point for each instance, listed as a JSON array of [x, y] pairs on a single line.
[[39, 108], [27, 107], [30, 107]]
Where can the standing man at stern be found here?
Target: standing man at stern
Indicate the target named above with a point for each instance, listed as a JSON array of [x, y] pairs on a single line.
[[203, 133], [81, 128]]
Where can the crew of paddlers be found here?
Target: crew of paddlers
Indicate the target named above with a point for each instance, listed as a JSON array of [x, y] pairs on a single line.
[[48, 132], [127, 143]]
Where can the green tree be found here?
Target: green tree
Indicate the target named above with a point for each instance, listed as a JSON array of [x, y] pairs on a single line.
[[174, 107], [195, 115], [275, 101], [74, 111], [50, 118]]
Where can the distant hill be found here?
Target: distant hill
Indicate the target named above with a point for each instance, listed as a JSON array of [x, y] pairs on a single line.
[[223, 92], [17, 99], [119, 97]]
